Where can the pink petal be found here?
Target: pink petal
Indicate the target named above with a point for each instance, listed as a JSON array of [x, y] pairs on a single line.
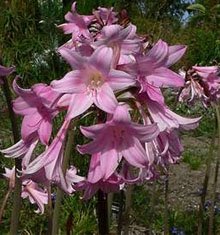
[[92, 131], [109, 162], [158, 54], [30, 124], [119, 80], [79, 104], [175, 53], [45, 131], [135, 154], [75, 60], [105, 99], [163, 77], [102, 59], [146, 133], [71, 83]]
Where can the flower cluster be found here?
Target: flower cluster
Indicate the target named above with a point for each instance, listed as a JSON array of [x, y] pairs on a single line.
[[201, 83], [117, 78]]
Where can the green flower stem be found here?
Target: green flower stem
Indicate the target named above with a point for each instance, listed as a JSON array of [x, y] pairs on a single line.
[[212, 209], [59, 195], [205, 185], [17, 190], [4, 204], [166, 212]]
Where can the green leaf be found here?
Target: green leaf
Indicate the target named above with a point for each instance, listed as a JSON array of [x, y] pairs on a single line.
[[197, 7]]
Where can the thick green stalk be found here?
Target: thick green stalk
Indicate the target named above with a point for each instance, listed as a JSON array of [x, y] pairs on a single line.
[[59, 195], [17, 191]]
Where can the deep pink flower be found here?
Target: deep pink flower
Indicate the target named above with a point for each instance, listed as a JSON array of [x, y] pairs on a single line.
[[92, 81], [116, 138], [5, 71], [36, 105]]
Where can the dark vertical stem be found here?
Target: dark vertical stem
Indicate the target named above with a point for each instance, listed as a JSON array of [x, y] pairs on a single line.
[[17, 191], [121, 202], [128, 202], [59, 195], [205, 186], [50, 211], [212, 209], [102, 212], [166, 212]]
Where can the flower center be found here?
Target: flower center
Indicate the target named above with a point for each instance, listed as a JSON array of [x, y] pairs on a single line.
[[95, 81]]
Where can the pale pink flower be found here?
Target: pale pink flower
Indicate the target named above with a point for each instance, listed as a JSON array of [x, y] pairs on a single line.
[[21, 149], [78, 24], [47, 166], [123, 41], [92, 81], [152, 67], [201, 83], [30, 189], [164, 117], [105, 16], [10, 175], [35, 194]]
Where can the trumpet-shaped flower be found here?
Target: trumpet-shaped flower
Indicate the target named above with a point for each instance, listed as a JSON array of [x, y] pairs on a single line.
[[78, 24], [152, 67], [92, 81], [116, 138], [35, 194]]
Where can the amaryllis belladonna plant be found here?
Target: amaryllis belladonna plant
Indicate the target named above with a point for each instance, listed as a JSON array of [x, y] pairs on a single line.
[[112, 76]]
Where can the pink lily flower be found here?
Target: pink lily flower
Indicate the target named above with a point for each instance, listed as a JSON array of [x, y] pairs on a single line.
[[92, 81], [152, 68], [124, 139], [35, 105], [123, 41], [164, 117], [35, 194], [29, 189], [4, 72], [105, 16], [202, 83], [10, 176], [48, 166], [112, 184], [78, 24]]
